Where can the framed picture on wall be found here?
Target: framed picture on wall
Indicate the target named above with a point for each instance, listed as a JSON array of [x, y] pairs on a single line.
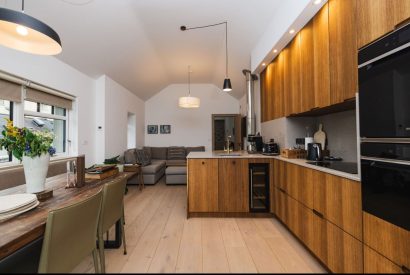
[[165, 129], [152, 129]]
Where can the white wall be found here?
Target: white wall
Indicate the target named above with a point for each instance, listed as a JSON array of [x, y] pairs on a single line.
[[50, 71], [189, 127], [116, 103]]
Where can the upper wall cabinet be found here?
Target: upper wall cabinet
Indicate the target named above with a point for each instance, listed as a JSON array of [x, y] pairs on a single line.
[[292, 87], [376, 18], [343, 50]]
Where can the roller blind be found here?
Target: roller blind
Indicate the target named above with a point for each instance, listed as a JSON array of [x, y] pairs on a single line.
[[46, 98], [10, 91]]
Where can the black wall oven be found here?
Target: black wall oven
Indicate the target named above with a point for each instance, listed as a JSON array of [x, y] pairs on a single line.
[[384, 118]]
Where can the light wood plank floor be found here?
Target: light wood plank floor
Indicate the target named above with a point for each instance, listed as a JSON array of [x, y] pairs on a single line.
[[161, 240]]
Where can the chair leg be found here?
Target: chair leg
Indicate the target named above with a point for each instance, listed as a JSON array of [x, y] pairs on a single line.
[[101, 250], [96, 262], [123, 234]]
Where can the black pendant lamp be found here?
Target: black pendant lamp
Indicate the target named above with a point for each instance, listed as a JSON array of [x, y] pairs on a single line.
[[227, 87], [227, 82], [22, 32]]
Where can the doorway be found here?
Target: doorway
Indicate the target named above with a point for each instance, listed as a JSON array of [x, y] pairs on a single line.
[[224, 125]]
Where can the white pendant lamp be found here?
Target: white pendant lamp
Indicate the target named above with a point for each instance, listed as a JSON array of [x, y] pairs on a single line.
[[189, 101], [22, 32]]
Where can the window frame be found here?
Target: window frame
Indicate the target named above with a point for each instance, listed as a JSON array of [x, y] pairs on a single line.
[[11, 115]]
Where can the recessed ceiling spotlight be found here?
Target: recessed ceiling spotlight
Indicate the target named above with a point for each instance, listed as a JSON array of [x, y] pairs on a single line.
[[275, 50], [263, 64], [317, 2], [292, 31]]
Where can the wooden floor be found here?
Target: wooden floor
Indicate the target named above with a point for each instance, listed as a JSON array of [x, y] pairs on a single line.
[[161, 240]]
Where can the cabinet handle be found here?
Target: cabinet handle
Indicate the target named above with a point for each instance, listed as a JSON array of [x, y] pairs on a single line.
[[203, 162], [233, 162], [320, 215], [405, 269]]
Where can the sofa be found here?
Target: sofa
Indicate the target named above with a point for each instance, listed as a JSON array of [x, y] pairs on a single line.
[[155, 161]]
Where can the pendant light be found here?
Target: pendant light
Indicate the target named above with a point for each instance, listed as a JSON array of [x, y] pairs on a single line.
[[22, 32], [189, 101], [227, 86]]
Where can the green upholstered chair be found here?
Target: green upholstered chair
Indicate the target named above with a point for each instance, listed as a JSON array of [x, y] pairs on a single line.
[[71, 236], [112, 210]]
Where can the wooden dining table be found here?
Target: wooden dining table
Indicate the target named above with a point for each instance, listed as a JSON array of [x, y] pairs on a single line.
[[22, 231]]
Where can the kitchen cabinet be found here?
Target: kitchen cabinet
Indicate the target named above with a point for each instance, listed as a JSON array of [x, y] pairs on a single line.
[[387, 239], [281, 205], [299, 186], [307, 68], [203, 185], [321, 60], [233, 188], [342, 50], [375, 18], [376, 263], [277, 79], [269, 91], [339, 201], [293, 76]]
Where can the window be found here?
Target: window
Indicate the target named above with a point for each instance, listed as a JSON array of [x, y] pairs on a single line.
[[5, 113], [44, 117]]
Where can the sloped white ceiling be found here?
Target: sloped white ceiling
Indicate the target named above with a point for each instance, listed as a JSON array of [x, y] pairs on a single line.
[[138, 42]]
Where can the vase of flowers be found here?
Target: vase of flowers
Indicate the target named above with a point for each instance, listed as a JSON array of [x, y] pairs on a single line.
[[34, 149]]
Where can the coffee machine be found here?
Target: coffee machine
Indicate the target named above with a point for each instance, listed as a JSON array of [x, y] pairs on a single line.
[[255, 144]]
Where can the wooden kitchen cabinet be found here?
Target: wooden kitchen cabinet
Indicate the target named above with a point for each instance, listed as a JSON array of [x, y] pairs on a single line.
[[264, 96], [307, 68], [401, 12], [376, 263], [387, 239], [321, 60], [339, 201], [277, 94], [233, 190], [203, 185], [281, 205], [298, 185], [269, 91], [292, 75], [343, 50]]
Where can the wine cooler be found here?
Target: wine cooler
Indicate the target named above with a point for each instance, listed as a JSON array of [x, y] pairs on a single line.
[[259, 187]]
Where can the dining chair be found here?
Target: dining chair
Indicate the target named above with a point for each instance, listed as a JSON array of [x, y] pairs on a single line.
[[112, 210], [70, 236]]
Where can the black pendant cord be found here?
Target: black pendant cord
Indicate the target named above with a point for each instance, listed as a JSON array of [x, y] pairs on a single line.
[[226, 49], [22, 6], [184, 28]]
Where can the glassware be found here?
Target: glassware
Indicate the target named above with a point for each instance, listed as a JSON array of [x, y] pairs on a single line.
[[71, 173]]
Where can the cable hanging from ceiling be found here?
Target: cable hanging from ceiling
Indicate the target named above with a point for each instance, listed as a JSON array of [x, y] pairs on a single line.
[[227, 86]]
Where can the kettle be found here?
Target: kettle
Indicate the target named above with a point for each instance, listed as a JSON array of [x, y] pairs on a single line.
[[314, 151]]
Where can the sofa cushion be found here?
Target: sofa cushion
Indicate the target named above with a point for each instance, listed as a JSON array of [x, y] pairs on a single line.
[[176, 162], [130, 156], [176, 170], [194, 149], [175, 152], [159, 153], [147, 150], [143, 157], [153, 168]]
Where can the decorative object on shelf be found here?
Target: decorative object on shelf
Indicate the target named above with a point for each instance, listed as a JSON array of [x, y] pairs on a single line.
[[227, 87], [22, 32], [165, 129], [34, 149], [101, 171], [71, 174], [189, 101], [152, 129], [293, 153]]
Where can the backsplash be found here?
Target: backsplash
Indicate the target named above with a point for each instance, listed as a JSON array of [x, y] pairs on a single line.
[[340, 129]]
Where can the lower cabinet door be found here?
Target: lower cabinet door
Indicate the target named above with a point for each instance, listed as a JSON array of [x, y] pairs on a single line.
[[281, 205], [376, 263], [344, 253]]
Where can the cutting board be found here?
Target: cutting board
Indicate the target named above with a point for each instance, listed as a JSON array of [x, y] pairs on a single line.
[[320, 137]]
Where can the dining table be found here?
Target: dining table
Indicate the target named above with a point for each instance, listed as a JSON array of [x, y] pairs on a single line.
[[21, 236]]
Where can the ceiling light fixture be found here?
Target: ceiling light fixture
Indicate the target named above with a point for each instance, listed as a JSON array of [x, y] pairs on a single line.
[[263, 64], [227, 86], [317, 2], [22, 32], [189, 101], [292, 31], [275, 50]]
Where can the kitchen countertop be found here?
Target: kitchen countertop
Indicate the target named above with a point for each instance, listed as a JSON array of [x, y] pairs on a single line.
[[245, 154]]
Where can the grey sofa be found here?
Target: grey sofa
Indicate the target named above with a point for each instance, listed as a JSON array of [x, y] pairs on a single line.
[[160, 159]]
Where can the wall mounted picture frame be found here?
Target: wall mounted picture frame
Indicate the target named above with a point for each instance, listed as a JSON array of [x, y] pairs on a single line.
[[152, 129], [165, 129]]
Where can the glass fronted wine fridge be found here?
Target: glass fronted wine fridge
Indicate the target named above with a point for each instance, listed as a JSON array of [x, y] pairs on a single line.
[[259, 187]]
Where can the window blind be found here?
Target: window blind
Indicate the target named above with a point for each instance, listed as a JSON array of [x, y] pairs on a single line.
[[10, 91], [46, 98]]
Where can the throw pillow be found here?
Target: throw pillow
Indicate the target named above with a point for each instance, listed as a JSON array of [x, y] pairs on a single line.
[[176, 153], [141, 159], [195, 149], [129, 156]]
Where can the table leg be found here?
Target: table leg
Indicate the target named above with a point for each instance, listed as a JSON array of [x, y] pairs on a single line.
[[116, 243]]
